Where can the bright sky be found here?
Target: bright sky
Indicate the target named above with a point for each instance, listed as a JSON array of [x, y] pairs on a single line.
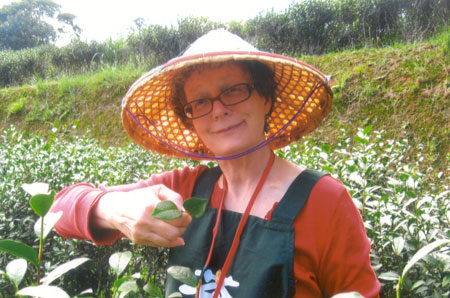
[[101, 19]]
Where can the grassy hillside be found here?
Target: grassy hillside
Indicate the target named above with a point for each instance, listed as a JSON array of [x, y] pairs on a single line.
[[404, 90]]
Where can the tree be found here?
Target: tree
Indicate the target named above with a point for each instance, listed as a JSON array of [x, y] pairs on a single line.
[[26, 24]]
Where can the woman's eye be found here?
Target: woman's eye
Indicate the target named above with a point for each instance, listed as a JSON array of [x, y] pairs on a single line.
[[200, 103], [235, 90]]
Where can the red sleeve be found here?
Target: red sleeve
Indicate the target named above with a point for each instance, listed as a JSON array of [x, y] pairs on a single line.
[[331, 245], [77, 201]]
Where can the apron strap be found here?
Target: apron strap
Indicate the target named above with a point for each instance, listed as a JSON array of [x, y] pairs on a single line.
[[296, 196], [204, 185]]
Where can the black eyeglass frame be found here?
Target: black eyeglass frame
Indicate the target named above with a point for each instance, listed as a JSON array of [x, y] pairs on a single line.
[[213, 99]]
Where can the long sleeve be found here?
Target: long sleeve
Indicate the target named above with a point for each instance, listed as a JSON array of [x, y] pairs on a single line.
[[331, 245], [77, 202]]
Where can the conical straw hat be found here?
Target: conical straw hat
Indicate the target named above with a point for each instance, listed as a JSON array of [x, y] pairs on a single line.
[[302, 99]]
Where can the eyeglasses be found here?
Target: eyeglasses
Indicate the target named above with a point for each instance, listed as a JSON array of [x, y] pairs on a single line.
[[228, 97]]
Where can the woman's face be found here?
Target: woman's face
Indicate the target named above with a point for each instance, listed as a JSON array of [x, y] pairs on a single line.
[[233, 129]]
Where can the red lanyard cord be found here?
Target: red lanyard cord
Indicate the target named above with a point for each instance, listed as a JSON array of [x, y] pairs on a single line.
[[239, 230]]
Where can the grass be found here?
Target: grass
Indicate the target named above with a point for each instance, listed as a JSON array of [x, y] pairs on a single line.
[[403, 90]]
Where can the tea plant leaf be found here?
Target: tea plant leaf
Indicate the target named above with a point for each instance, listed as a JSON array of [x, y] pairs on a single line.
[[20, 250], [118, 282], [62, 269], [119, 261], [196, 207], [153, 290], [175, 295], [389, 276], [183, 274], [424, 251], [36, 188], [43, 292], [41, 203], [397, 245], [16, 270], [166, 210], [128, 287], [367, 130], [49, 222], [445, 280]]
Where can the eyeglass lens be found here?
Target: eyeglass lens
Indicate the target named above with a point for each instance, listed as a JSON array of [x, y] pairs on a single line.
[[230, 96]]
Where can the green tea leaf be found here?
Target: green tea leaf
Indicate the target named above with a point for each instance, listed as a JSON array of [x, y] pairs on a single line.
[[183, 274], [41, 203], [128, 287], [397, 245], [166, 210], [43, 292], [16, 270], [367, 130], [19, 250], [175, 295], [36, 188], [389, 276], [153, 290], [196, 207], [49, 222], [62, 269], [119, 261], [424, 251], [445, 280]]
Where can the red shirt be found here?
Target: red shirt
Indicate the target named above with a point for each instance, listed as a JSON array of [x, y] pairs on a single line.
[[331, 245]]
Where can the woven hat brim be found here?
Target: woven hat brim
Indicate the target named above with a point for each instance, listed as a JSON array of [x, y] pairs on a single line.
[[302, 100]]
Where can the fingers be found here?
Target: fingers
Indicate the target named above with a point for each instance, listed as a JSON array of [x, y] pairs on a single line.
[[183, 221], [131, 214], [163, 193], [156, 232]]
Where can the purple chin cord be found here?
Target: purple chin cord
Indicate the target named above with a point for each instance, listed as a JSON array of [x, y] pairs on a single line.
[[198, 155]]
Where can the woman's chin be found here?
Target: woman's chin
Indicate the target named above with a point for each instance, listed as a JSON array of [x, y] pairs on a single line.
[[232, 149]]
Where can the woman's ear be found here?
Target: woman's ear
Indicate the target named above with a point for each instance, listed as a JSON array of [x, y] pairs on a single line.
[[268, 106]]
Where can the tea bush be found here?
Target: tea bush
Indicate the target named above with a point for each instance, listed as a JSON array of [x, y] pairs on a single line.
[[403, 209], [29, 158]]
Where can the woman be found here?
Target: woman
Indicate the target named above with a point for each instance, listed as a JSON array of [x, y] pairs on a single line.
[[272, 228]]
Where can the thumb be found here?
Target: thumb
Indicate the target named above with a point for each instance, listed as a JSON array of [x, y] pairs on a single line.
[[166, 194]]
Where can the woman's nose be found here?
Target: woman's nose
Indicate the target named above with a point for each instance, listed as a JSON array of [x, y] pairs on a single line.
[[218, 108]]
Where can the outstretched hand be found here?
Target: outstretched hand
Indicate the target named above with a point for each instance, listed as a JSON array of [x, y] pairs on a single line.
[[130, 213]]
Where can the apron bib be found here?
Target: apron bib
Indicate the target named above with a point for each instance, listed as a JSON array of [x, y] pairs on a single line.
[[263, 264]]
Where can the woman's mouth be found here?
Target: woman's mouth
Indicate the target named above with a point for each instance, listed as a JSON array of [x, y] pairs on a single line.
[[229, 128]]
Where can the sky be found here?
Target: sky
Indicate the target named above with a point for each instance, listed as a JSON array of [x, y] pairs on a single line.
[[102, 19]]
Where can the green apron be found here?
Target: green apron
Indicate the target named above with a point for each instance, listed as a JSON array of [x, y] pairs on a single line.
[[263, 264]]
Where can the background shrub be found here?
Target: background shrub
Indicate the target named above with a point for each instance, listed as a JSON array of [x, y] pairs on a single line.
[[305, 27]]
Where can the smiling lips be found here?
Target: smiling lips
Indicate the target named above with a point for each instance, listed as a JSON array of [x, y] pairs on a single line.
[[230, 128]]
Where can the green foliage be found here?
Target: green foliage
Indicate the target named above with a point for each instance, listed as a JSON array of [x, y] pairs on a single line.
[[16, 269], [305, 27], [19, 250], [16, 106], [196, 207], [29, 158], [25, 24], [166, 210], [404, 207]]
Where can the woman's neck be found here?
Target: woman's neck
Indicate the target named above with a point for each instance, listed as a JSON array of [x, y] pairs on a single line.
[[242, 174]]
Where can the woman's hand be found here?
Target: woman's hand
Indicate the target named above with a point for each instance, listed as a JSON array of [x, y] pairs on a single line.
[[130, 213]]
